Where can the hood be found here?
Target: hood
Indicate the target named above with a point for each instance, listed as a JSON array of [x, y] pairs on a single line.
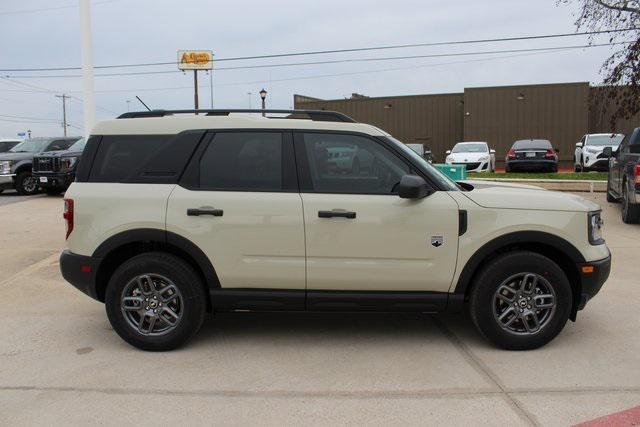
[[516, 196], [15, 156], [62, 153], [598, 148], [485, 184], [466, 157]]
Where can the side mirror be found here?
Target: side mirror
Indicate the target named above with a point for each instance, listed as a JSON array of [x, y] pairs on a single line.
[[556, 150], [413, 187], [492, 151], [608, 152], [578, 144], [448, 152]]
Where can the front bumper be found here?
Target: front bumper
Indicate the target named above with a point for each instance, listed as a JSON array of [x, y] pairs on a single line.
[[591, 162], [473, 166], [7, 181], [592, 282], [62, 180], [80, 271]]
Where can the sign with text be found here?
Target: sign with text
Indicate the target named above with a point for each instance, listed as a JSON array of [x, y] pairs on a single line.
[[195, 60]]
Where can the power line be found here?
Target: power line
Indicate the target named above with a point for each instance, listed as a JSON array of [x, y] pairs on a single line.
[[47, 9], [350, 50], [334, 61]]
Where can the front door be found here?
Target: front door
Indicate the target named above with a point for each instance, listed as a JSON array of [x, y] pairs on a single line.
[[244, 211], [360, 236]]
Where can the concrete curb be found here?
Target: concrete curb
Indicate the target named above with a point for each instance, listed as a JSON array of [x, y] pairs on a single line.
[[589, 186]]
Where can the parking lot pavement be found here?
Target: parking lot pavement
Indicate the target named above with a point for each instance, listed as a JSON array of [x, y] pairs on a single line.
[[60, 361], [10, 196]]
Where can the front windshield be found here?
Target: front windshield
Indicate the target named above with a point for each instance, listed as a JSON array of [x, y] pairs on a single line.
[[78, 145], [30, 146], [470, 148], [433, 173], [613, 140]]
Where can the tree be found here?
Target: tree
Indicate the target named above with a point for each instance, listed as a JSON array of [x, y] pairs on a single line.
[[621, 71]]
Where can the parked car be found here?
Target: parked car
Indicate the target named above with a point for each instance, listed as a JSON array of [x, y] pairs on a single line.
[[8, 144], [422, 151], [476, 156], [589, 156], [15, 164], [532, 155], [56, 170], [226, 212], [623, 184]]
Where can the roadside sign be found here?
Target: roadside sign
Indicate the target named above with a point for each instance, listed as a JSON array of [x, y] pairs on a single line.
[[195, 60]]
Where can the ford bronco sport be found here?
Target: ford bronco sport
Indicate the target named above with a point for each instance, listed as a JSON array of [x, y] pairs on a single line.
[[174, 214]]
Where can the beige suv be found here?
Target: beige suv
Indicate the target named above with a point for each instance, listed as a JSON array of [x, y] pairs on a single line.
[[175, 214]]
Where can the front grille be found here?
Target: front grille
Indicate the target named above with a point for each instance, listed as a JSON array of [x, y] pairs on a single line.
[[471, 166], [46, 164]]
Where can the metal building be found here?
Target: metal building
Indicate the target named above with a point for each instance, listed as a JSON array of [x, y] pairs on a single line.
[[561, 113]]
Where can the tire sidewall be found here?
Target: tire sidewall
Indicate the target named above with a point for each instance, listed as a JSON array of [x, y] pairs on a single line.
[[181, 275], [504, 267]]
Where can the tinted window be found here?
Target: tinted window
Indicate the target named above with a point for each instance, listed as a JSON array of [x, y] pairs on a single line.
[[143, 158], [352, 164], [59, 144], [537, 144], [243, 161]]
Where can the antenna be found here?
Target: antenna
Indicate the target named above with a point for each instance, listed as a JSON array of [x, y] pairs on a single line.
[[142, 102]]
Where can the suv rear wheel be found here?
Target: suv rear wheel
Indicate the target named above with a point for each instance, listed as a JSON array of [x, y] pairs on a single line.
[[630, 211], [155, 301], [521, 300]]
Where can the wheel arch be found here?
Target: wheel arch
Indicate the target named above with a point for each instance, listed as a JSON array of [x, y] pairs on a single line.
[[22, 167], [122, 246], [559, 250]]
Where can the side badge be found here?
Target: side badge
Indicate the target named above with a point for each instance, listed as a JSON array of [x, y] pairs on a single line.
[[437, 241]]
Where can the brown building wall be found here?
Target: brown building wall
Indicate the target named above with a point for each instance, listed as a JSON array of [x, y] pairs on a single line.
[[561, 113], [502, 115], [432, 120]]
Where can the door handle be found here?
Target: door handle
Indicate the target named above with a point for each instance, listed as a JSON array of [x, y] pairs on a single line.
[[336, 214], [204, 211]]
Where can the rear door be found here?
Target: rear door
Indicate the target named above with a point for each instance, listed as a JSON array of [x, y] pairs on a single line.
[[360, 236], [239, 202]]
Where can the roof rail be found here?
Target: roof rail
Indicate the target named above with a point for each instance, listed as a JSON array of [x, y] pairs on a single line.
[[315, 115]]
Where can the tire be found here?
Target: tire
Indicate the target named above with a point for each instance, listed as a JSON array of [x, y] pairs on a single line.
[[554, 169], [610, 197], [188, 302], [26, 184], [507, 169], [486, 306], [630, 211]]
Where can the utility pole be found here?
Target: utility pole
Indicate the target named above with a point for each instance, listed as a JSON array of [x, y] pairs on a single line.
[[195, 88], [64, 112]]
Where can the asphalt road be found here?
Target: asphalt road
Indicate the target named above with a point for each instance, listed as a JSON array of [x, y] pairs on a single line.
[[60, 361], [10, 196]]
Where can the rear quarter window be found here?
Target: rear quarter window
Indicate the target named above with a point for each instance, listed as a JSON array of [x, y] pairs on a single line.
[[142, 158]]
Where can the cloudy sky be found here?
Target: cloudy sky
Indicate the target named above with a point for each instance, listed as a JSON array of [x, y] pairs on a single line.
[[45, 33]]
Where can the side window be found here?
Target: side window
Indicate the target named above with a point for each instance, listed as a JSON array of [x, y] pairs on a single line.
[[623, 147], [351, 164], [243, 161]]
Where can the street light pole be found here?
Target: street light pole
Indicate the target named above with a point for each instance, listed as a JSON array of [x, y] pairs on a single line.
[[263, 95], [64, 112], [88, 94]]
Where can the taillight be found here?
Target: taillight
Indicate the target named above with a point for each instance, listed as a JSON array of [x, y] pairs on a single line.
[[636, 179], [550, 153], [511, 154], [68, 216]]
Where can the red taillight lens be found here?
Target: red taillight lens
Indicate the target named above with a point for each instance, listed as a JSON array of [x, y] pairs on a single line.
[[636, 171], [550, 153], [68, 216], [511, 154]]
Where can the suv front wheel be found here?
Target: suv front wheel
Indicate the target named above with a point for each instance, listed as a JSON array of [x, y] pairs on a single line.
[[155, 301], [27, 184], [521, 300]]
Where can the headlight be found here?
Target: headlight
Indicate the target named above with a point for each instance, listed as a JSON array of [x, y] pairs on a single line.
[[484, 159], [449, 160], [5, 167], [66, 163], [595, 228]]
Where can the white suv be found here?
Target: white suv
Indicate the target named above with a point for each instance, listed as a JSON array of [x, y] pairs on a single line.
[[589, 154], [173, 215]]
